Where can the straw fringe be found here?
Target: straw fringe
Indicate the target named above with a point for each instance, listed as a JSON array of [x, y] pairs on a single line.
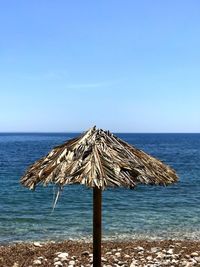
[[98, 158]]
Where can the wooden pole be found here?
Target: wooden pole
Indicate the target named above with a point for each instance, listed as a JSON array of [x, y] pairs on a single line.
[[96, 227]]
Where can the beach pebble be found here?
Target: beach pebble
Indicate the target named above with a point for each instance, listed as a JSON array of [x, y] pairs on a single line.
[[160, 255], [37, 262], [58, 264], [174, 261], [155, 249], [184, 263], [108, 253], [149, 258], [168, 256], [15, 264], [194, 254], [41, 258], [189, 264], [118, 254], [170, 251], [85, 253], [37, 244], [120, 263], [139, 248], [115, 260], [176, 256], [72, 262], [133, 264], [197, 259], [127, 256], [192, 260], [63, 255]]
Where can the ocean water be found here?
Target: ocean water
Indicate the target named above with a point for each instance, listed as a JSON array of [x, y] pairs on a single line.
[[152, 212]]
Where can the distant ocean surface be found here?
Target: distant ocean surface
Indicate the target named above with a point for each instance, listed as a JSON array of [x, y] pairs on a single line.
[[146, 212]]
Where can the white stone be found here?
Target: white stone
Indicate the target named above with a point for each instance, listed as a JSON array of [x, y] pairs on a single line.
[[133, 263], [37, 262], [174, 261], [72, 262], [170, 251], [85, 253], [160, 255], [127, 256], [154, 250], [58, 264], [118, 254], [194, 254], [197, 259], [120, 263], [189, 264], [37, 244], [115, 260], [63, 255], [139, 248], [176, 256], [149, 258], [183, 262]]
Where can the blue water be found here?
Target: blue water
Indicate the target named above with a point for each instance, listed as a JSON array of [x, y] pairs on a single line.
[[146, 212]]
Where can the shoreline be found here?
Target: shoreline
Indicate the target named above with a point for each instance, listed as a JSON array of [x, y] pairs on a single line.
[[114, 253]]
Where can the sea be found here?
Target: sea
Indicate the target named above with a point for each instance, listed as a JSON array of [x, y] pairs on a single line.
[[147, 212]]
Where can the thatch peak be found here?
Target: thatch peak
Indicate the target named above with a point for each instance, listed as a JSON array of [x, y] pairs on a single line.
[[98, 158]]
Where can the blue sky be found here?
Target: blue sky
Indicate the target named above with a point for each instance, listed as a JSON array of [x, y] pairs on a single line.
[[127, 66]]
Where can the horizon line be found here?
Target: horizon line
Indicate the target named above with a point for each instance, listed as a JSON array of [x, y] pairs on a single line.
[[63, 132]]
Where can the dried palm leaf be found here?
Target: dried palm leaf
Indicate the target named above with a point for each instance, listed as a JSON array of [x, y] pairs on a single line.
[[98, 158]]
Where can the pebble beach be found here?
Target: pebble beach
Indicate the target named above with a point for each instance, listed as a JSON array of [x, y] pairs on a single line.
[[171, 253]]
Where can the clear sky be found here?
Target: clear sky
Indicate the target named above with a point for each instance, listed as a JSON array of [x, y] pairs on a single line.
[[124, 65]]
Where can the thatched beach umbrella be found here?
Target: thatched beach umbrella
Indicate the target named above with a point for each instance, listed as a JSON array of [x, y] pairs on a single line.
[[98, 159]]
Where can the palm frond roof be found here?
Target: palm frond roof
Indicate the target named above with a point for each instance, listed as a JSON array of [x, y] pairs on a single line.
[[98, 158]]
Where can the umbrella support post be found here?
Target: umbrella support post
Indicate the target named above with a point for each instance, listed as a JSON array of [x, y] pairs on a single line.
[[96, 227]]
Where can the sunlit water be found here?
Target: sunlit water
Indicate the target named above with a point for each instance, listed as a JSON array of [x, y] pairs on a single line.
[[146, 212]]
